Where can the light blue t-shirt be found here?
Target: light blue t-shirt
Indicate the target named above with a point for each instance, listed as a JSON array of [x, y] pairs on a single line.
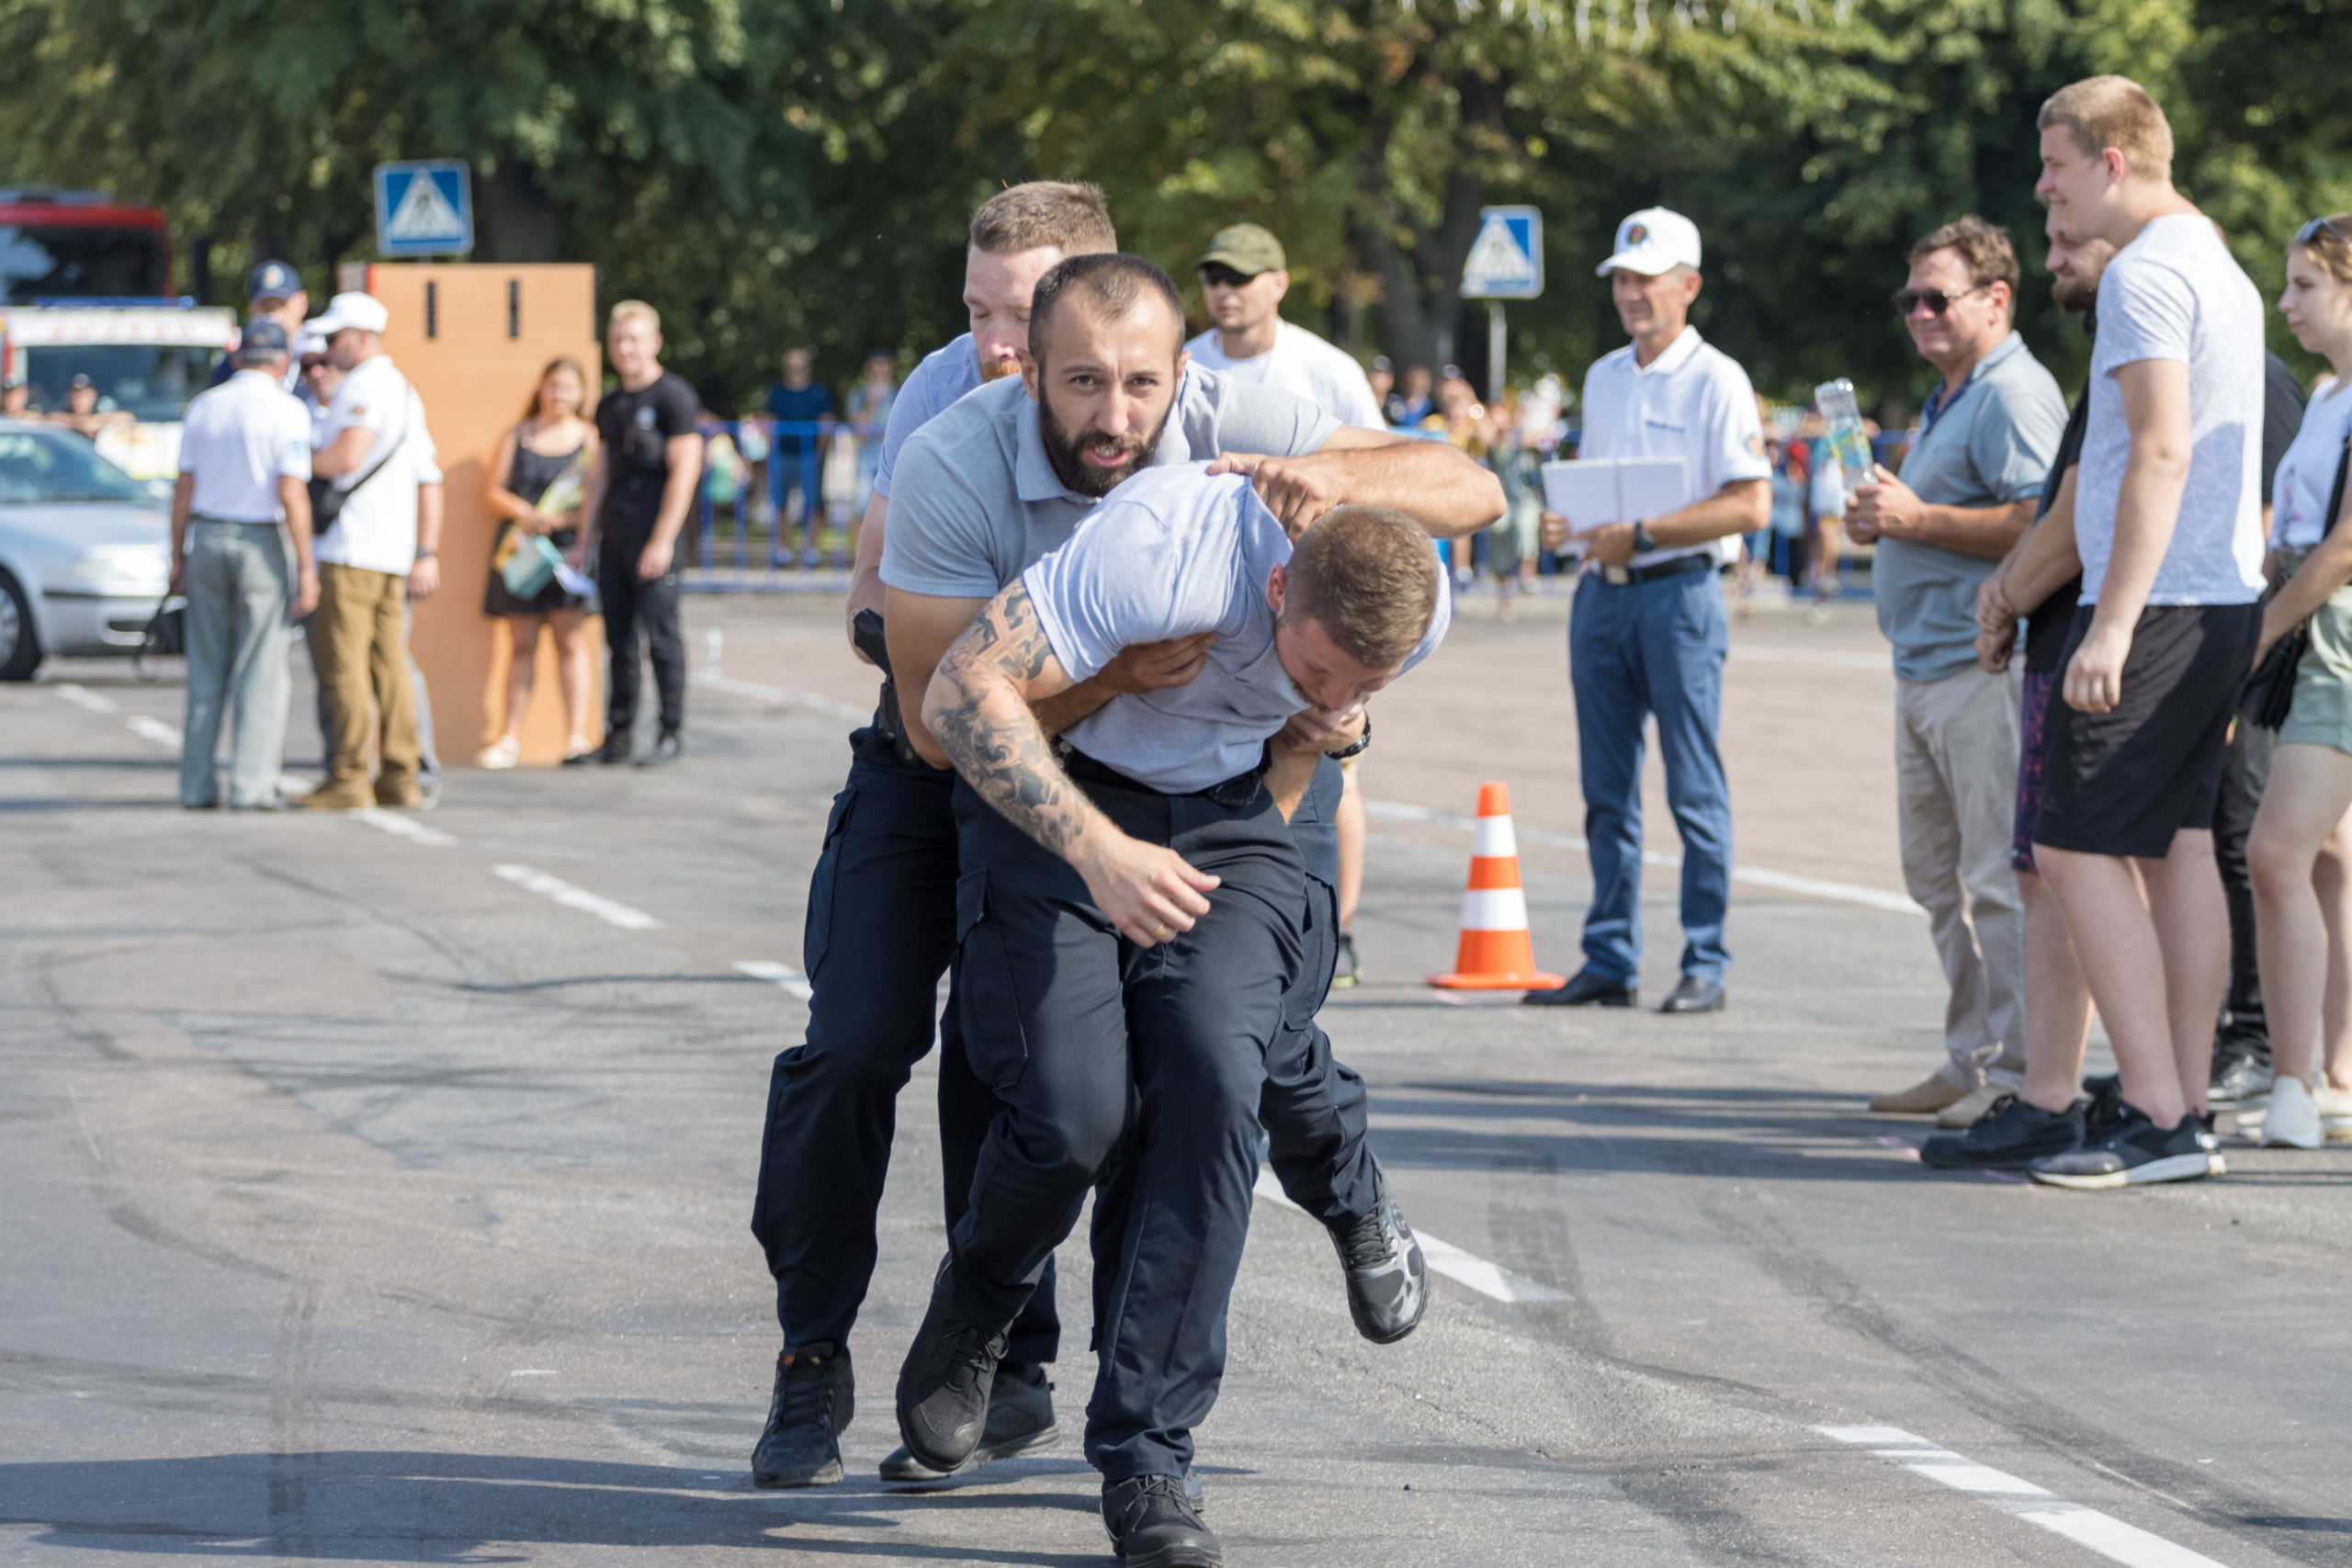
[[1988, 444], [944, 377], [1171, 554]]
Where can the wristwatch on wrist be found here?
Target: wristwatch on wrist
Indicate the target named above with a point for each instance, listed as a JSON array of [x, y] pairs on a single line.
[[1644, 540], [427, 555], [1357, 749]]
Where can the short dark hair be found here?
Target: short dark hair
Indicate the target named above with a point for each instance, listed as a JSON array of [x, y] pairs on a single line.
[[1109, 284], [1368, 576], [1070, 216], [1984, 246]]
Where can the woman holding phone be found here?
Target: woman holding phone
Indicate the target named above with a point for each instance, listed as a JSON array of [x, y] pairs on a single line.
[[538, 481]]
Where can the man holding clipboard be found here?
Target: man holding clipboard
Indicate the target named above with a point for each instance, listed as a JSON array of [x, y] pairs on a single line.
[[1665, 419]]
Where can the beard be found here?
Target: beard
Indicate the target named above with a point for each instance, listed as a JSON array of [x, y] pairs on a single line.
[[2073, 294], [998, 370], [1067, 452]]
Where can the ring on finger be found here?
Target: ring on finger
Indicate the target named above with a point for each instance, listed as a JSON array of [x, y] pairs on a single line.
[[1160, 932]]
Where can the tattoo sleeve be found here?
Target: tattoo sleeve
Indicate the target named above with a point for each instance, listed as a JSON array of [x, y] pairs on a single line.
[[978, 709]]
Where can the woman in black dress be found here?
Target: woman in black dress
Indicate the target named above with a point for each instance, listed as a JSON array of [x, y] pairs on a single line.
[[537, 483]]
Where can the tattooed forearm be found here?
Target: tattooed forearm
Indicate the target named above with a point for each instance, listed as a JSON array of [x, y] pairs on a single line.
[[977, 713]]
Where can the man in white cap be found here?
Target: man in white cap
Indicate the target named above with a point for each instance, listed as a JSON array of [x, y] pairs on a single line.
[[1647, 633], [378, 532]]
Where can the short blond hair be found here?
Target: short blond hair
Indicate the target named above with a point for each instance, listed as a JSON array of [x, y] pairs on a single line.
[[1370, 576], [1069, 216], [2114, 111], [635, 310]]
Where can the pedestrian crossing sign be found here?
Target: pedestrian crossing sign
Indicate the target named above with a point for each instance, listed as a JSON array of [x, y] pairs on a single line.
[[424, 209], [1506, 261]]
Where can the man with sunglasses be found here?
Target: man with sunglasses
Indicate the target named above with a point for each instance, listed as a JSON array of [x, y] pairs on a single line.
[[1987, 437], [1244, 277]]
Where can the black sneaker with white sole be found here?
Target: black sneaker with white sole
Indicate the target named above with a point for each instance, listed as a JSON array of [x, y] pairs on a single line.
[[815, 1398], [944, 1385], [2009, 1137], [1020, 1420], [2133, 1151], [1388, 1280], [1154, 1524]]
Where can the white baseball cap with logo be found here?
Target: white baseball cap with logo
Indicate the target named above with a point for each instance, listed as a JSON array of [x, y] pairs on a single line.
[[1653, 240], [346, 312]]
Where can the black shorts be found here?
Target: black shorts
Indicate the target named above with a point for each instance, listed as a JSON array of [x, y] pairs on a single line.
[[2124, 782]]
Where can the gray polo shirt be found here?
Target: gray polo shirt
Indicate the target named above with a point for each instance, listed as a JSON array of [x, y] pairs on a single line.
[[1990, 444], [977, 498], [1172, 553]]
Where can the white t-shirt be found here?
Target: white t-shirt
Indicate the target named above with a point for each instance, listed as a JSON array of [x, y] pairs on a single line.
[[1304, 365], [377, 529], [237, 441], [2174, 293], [1693, 401], [2306, 475]]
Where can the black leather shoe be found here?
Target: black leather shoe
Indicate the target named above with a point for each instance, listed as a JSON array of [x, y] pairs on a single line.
[[1020, 1419], [1693, 993], [944, 1386], [666, 751], [1388, 1283], [1584, 989], [815, 1397], [617, 750], [1154, 1524]]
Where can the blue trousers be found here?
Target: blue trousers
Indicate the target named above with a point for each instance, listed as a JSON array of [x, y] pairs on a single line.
[[1634, 651]]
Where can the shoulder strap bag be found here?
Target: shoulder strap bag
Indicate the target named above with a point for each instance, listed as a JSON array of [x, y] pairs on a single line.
[[326, 501], [2271, 690]]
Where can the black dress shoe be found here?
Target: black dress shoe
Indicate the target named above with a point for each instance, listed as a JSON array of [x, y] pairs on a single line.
[[666, 751], [1154, 1524], [617, 750], [1020, 1418], [945, 1384], [1584, 989], [815, 1397], [1693, 993]]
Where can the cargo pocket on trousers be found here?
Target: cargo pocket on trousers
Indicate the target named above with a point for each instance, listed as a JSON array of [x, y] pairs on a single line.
[[994, 1038], [816, 923]]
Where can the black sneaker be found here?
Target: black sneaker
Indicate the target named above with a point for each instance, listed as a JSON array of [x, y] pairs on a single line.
[[2102, 1103], [2009, 1137], [617, 749], [2133, 1151], [1388, 1283], [815, 1398], [667, 749], [944, 1386], [1020, 1419], [2240, 1079], [1154, 1524], [1348, 970]]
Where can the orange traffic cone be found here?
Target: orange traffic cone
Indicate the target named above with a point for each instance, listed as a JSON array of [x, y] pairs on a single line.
[[1496, 953]]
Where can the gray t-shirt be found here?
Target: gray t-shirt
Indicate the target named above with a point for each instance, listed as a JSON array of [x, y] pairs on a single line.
[[1990, 444], [2174, 293], [1173, 553], [943, 377], [979, 499]]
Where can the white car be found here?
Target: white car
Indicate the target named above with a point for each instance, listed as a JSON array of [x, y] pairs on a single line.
[[85, 550]]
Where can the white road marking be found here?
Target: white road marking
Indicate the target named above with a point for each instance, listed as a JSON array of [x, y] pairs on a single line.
[[1779, 881], [153, 729], [579, 898], [402, 827], [1884, 664], [759, 692], [780, 974], [2103, 1533], [80, 697], [1487, 1279]]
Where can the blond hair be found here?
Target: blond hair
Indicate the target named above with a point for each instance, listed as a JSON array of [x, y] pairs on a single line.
[[1069, 216], [636, 310], [2114, 111]]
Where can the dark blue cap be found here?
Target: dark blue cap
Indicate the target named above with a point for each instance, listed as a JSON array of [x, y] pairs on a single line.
[[264, 339], [274, 280]]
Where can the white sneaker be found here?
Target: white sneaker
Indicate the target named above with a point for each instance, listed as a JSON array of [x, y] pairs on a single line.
[[503, 752], [2334, 1111], [2293, 1120]]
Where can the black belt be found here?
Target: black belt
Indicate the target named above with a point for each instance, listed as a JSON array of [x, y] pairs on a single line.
[[1673, 566], [1233, 794]]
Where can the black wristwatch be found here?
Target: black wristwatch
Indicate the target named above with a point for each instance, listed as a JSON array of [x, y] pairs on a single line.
[[1362, 742], [1644, 540]]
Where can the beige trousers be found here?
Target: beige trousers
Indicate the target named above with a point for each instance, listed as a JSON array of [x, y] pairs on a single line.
[[362, 656]]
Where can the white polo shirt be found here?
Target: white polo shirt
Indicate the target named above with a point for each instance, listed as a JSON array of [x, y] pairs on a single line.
[[377, 529], [1304, 365], [237, 441], [1693, 401]]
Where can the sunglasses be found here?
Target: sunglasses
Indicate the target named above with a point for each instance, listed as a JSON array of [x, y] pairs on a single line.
[[2311, 231], [1937, 301], [1223, 276]]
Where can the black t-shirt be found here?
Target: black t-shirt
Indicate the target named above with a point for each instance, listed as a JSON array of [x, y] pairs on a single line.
[[2282, 416], [636, 428]]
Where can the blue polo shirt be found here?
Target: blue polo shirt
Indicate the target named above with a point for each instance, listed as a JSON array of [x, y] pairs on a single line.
[[1989, 444]]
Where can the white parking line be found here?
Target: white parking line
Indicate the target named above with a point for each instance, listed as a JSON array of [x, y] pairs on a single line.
[[579, 898], [759, 692], [153, 729], [402, 827], [779, 975], [1487, 1279], [1779, 881], [80, 697], [2103, 1533]]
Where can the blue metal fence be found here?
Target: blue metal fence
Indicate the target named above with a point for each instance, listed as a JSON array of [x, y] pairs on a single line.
[[781, 515]]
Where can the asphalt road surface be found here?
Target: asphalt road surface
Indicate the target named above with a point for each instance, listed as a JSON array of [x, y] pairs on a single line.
[[376, 1189]]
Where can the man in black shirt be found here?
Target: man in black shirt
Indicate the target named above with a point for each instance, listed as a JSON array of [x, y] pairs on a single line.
[[648, 460]]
